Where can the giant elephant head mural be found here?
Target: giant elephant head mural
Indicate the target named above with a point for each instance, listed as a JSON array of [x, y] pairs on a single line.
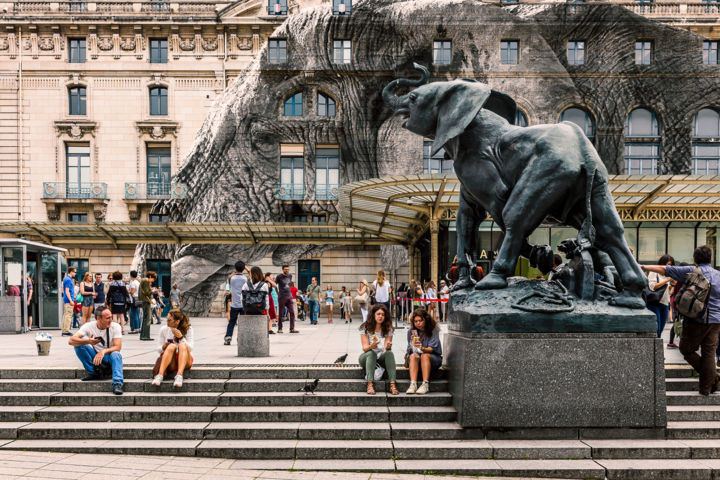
[[233, 167]]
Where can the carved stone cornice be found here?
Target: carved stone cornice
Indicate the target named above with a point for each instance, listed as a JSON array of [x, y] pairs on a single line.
[[157, 129], [76, 129]]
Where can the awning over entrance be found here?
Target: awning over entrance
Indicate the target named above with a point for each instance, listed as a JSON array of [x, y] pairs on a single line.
[[129, 234]]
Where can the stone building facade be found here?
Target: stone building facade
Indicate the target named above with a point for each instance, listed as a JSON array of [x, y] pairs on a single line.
[[114, 111]]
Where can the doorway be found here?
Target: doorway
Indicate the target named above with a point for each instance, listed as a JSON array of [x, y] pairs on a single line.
[[306, 270]]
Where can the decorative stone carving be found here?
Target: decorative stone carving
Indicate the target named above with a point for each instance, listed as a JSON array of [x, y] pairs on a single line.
[[46, 43], [187, 44], [105, 43], [209, 45], [4, 44], [99, 211], [244, 43], [127, 44], [75, 129], [27, 44], [53, 211], [157, 132]]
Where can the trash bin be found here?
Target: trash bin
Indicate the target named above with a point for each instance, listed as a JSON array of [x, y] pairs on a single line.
[[43, 341]]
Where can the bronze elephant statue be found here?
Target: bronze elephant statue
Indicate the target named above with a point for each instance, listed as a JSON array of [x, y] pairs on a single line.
[[522, 176]]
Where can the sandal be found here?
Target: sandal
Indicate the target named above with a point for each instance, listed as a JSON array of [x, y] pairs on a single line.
[[393, 389], [370, 388]]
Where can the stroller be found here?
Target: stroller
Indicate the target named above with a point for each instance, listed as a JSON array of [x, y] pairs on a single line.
[[300, 309]]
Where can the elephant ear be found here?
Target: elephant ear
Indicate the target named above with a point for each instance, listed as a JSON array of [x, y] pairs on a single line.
[[457, 105], [503, 105]]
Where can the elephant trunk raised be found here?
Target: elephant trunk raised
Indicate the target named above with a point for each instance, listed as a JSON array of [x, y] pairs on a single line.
[[388, 94]]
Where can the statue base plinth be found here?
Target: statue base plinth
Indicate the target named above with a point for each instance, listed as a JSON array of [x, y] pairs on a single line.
[[549, 383]]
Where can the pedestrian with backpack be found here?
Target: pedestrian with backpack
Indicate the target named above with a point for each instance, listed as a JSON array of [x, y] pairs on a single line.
[[698, 302], [116, 299], [255, 295], [236, 281]]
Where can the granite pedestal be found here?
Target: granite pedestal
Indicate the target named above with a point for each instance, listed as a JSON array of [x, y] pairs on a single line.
[[518, 374], [10, 315], [252, 336]]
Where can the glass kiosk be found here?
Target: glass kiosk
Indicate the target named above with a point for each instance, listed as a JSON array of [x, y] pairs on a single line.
[[35, 268]]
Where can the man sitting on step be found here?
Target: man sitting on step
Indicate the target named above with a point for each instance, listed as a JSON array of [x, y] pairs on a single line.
[[97, 345]]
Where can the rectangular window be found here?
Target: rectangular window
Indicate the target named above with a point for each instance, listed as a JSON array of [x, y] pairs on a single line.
[[82, 265], [158, 171], [643, 52], [642, 159], [509, 52], [436, 163], [158, 218], [77, 5], [277, 7], [159, 5], [710, 53], [277, 50], [644, 6], [342, 51], [299, 219], [77, 171], [76, 50], [576, 53], [442, 52], [158, 50], [77, 97], [327, 173], [706, 159], [342, 7], [292, 185], [77, 217], [319, 219], [158, 101]]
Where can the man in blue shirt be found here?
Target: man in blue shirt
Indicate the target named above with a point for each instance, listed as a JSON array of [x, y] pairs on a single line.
[[68, 289], [704, 331]]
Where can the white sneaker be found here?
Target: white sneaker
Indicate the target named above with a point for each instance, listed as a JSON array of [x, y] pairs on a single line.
[[178, 381], [157, 380], [423, 388], [412, 389]]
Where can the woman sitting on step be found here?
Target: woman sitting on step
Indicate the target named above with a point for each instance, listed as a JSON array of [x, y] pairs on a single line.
[[175, 344], [424, 350], [376, 335]]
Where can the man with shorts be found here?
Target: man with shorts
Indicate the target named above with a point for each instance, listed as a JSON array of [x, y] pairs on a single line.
[[68, 301]]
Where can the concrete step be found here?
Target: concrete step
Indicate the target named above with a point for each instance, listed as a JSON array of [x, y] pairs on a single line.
[[205, 385], [693, 413], [693, 430], [692, 398], [681, 384], [265, 373], [112, 430], [333, 414]]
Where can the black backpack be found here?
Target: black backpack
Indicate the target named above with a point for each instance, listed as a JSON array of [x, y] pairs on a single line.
[[254, 299], [117, 296]]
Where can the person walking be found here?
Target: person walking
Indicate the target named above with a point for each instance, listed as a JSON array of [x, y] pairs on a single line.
[[145, 298], [237, 281], [701, 332], [343, 292], [175, 344], [157, 304], [329, 302], [658, 282], [29, 302], [313, 293], [363, 298], [68, 301], [116, 299], [382, 289], [347, 307], [444, 295], [285, 298], [99, 301], [294, 294], [175, 297], [273, 301], [88, 292], [256, 285], [431, 294], [134, 290], [376, 335]]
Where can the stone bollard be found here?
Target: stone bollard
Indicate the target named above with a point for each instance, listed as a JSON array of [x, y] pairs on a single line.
[[252, 336]]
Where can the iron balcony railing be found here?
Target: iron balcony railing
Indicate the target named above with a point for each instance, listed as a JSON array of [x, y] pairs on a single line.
[[289, 191], [120, 7], [155, 191], [327, 192], [71, 190]]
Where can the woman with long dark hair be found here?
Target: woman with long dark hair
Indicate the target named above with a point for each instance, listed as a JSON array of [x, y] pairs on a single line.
[[175, 344], [259, 281], [116, 299], [424, 350], [657, 281], [376, 335]]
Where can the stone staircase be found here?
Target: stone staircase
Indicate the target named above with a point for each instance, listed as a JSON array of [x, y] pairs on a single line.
[[257, 415]]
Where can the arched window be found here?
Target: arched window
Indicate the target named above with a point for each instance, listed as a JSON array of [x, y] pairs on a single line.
[[705, 149], [580, 117], [642, 143], [293, 106], [520, 118], [158, 101], [77, 101], [325, 105]]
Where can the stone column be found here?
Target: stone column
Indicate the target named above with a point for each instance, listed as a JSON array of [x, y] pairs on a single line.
[[252, 336], [411, 263], [434, 230]]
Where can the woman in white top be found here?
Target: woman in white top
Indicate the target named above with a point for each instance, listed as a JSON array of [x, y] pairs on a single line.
[[363, 298], [175, 344], [257, 280], [431, 294], [382, 289], [376, 335], [656, 282]]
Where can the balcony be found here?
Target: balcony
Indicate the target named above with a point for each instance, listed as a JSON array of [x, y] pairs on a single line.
[[327, 192], [154, 191], [58, 194], [116, 7], [290, 192]]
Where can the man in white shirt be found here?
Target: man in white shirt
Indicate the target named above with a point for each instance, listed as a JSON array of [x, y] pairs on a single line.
[[99, 343]]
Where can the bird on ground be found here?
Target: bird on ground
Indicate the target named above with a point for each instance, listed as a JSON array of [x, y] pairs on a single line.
[[341, 359], [310, 387]]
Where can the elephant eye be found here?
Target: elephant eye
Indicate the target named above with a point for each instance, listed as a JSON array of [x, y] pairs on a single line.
[[413, 97]]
